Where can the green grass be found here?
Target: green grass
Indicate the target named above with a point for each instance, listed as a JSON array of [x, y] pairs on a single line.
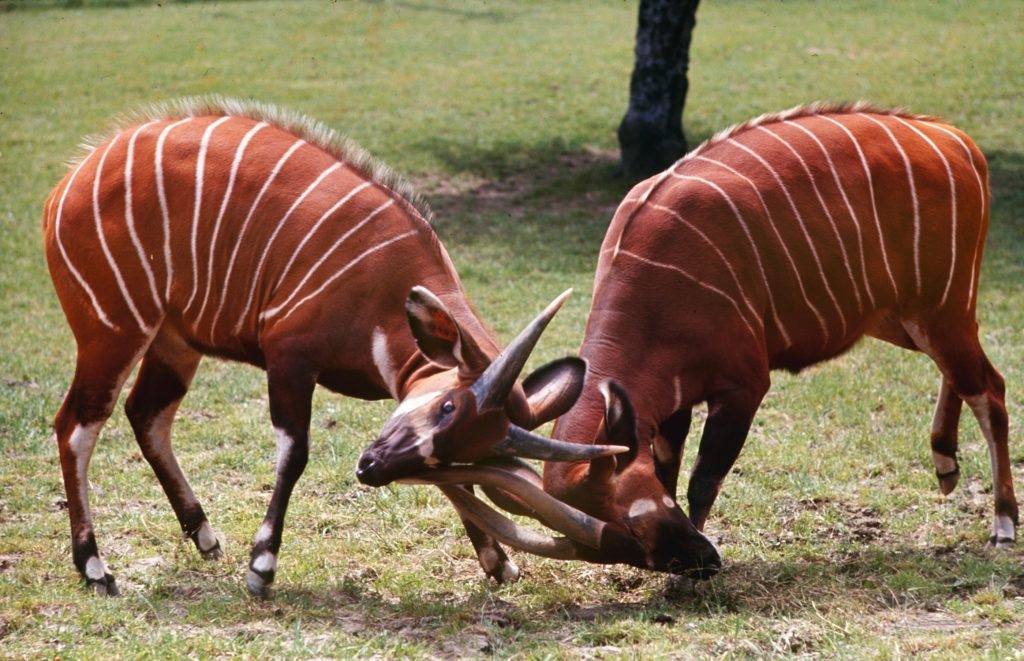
[[836, 539]]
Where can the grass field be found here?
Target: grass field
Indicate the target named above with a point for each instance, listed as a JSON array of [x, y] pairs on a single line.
[[837, 542]]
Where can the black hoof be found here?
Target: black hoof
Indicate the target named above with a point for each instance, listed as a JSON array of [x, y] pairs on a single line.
[[214, 553], [948, 481], [999, 542], [258, 583], [104, 587]]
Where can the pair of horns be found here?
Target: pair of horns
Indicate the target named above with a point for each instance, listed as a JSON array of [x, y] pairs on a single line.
[[578, 527], [493, 387]]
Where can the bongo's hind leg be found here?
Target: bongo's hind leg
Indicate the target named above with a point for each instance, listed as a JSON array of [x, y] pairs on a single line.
[[973, 379], [100, 372], [164, 378], [944, 437]]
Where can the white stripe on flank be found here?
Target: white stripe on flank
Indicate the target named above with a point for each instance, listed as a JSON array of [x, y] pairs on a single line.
[[871, 192], [913, 197], [316, 227], [642, 201], [245, 226], [382, 360], [270, 242], [952, 196], [721, 255], [753, 246], [712, 288], [130, 217], [846, 201], [828, 214], [64, 254], [359, 258], [162, 196], [803, 227], [223, 207], [984, 201], [785, 249], [103, 240], [204, 144], [323, 258]]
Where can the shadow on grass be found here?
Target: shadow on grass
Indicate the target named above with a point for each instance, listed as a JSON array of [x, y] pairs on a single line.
[[1005, 248]]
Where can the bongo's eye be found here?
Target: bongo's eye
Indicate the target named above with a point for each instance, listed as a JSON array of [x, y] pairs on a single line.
[[447, 407]]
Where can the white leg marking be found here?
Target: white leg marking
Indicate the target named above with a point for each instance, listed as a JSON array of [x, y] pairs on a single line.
[[725, 260], [871, 193], [785, 249], [95, 569], [82, 444], [753, 246], [207, 540], [952, 196], [64, 254], [712, 288], [984, 211], [1003, 528], [103, 241], [162, 197], [270, 242], [803, 226], [846, 201], [129, 216], [265, 562], [509, 572], [641, 506], [285, 444], [239, 152], [245, 226], [265, 532], [204, 144], [825, 208], [363, 255], [382, 360], [913, 197], [327, 254]]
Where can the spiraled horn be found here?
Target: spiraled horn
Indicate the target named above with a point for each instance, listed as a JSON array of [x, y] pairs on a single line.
[[504, 529], [522, 443], [574, 524], [494, 385]]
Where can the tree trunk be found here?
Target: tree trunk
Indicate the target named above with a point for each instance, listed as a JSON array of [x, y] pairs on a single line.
[[651, 134]]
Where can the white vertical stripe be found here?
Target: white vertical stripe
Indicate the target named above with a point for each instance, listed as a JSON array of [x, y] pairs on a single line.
[[270, 242], [360, 257], [828, 214], [129, 216], [913, 197], [204, 144], [316, 227], [952, 196], [785, 249], [239, 240], [846, 201], [103, 240], [709, 287], [753, 247], [382, 360], [323, 258], [984, 210], [239, 152], [162, 196], [64, 254], [721, 255], [874, 204], [803, 227]]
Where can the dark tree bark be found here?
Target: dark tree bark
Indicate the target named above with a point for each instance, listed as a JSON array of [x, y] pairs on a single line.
[[651, 134]]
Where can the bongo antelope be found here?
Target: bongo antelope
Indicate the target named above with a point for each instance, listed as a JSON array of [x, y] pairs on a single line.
[[777, 244], [234, 229]]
